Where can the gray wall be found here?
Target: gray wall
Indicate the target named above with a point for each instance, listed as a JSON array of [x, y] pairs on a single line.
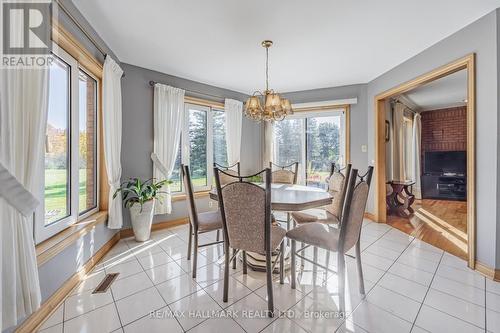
[[358, 131], [137, 144], [481, 38]]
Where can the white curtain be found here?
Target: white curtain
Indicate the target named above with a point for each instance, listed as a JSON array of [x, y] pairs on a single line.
[[23, 120], [234, 118], [268, 143], [112, 130], [168, 115], [416, 146], [398, 141]]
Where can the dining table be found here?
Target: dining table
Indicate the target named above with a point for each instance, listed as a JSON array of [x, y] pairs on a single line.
[[287, 198]]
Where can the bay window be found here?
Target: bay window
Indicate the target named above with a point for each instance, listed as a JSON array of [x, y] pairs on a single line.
[[315, 139]]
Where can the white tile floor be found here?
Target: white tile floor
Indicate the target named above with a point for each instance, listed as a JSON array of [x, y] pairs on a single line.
[[411, 287]]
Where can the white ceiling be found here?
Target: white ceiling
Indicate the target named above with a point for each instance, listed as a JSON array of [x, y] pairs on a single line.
[[319, 43], [449, 91]]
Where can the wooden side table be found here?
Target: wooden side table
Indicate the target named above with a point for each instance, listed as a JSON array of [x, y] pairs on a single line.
[[400, 200]]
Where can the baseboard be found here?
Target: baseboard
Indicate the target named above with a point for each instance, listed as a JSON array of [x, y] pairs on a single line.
[[33, 322], [125, 233], [489, 272]]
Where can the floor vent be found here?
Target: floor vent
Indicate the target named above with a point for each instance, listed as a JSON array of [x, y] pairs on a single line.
[[105, 283]]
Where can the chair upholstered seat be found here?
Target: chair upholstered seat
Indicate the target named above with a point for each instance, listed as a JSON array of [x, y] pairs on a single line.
[[322, 216], [209, 221], [317, 234]]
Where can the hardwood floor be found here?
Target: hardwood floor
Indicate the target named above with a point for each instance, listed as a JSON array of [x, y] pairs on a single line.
[[441, 223]]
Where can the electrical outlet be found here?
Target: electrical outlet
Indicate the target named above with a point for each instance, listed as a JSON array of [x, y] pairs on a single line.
[[210, 204], [364, 148]]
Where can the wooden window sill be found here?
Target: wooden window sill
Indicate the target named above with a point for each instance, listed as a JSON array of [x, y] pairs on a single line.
[[49, 248], [181, 197]]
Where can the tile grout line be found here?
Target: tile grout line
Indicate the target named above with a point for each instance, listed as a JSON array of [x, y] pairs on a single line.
[[377, 282], [116, 308], [455, 317], [485, 309], [427, 292], [64, 313], [460, 298], [159, 293], [201, 288]]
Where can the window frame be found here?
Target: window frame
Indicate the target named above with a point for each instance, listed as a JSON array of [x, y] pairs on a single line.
[[185, 146], [41, 231], [325, 111]]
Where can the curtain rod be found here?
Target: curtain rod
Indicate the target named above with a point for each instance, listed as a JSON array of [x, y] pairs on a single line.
[[152, 84], [82, 29], [406, 106]]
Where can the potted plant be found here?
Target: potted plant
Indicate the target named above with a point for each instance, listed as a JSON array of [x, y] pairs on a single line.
[[139, 197]]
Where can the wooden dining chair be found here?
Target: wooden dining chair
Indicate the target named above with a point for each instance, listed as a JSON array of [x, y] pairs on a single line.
[[199, 223], [247, 226], [338, 239], [233, 170]]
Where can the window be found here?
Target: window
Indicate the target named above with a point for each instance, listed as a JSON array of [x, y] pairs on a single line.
[[176, 185], [324, 145], [288, 141], [87, 143], [203, 142], [315, 140], [57, 144], [197, 142], [219, 136], [70, 159]]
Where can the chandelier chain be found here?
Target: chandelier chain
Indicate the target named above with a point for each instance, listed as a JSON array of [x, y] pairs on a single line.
[[267, 68]]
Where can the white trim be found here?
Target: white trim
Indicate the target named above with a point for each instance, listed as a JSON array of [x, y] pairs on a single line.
[[333, 102], [41, 231]]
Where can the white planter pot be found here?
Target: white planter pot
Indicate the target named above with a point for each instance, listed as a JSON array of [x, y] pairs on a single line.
[[142, 220]]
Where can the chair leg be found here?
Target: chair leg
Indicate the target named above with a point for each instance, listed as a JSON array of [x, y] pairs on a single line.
[[190, 240], [234, 260], [218, 235], [360, 269], [282, 262], [244, 257], [227, 257], [341, 277], [328, 259], [315, 258], [269, 274], [302, 261], [195, 254], [288, 222], [292, 264]]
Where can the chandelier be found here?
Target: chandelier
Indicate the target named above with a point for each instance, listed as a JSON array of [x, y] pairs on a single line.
[[267, 106]]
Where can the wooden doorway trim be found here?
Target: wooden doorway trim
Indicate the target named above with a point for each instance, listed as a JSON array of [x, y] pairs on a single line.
[[467, 63]]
